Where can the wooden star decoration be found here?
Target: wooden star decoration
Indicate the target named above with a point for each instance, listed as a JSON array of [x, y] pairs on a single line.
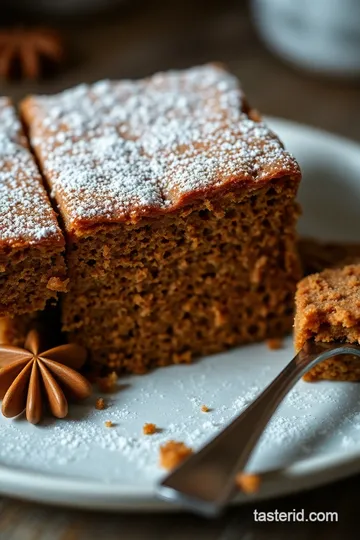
[[28, 377]]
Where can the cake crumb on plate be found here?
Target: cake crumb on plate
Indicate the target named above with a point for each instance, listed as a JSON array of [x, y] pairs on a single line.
[[204, 408], [248, 483], [274, 344], [149, 429], [172, 453], [109, 423], [100, 404]]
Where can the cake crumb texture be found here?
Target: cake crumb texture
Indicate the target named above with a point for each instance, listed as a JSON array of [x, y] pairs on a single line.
[[149, 429], [180, 288], [172, 453], [57, 284], [248, 483], [339, 368], [100, 404], [328, 309]]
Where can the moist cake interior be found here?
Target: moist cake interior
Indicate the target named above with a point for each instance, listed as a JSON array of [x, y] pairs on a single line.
[[190, 284]]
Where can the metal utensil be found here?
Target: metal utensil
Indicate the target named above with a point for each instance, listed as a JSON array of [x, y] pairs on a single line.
[[205, 481]]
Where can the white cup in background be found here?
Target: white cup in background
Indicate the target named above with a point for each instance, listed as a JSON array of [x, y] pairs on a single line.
[[318, 35]]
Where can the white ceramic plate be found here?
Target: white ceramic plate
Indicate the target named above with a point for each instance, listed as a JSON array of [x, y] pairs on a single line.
[[314, 437]]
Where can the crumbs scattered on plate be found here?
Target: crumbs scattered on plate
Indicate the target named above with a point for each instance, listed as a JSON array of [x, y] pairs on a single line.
[[100, 404], [149, 429], [274, 344], [172, 453], [248, 483]]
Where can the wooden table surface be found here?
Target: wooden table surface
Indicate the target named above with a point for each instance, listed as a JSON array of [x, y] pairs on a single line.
[[136, 41]]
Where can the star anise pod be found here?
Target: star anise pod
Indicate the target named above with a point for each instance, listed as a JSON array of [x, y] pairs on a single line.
[[28, 377], [26, 49]]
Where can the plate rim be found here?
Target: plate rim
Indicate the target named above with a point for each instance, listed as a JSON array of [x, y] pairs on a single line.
[[107, 496]]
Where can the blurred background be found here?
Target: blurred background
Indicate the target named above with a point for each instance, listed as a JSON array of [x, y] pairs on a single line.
[[297, 60]]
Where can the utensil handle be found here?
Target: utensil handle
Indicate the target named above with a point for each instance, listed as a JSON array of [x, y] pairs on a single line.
[[205, 481]]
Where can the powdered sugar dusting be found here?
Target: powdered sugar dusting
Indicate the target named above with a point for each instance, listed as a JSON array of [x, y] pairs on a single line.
[[314, 420], [115, 149], [25, 212]]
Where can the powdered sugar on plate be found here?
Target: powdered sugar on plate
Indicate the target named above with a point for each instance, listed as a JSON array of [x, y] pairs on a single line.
[[315, 419]]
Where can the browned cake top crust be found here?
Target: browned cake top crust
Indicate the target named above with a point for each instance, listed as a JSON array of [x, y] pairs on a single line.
[[26, 216], [120, 151]]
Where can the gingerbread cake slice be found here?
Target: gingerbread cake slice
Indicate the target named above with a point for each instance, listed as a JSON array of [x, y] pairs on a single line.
[[32, 267], [179, 211], [328, 309]]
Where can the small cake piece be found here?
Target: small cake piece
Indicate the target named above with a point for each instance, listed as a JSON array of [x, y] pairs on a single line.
[[172, 453], [274, 344], [149, 429], [100, 404], [32, 268], [204, 408], [180, 214], [248, 483], [328, 309]]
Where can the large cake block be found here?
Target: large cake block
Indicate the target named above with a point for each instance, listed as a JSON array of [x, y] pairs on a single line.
[[179, 211], [32, 268]]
